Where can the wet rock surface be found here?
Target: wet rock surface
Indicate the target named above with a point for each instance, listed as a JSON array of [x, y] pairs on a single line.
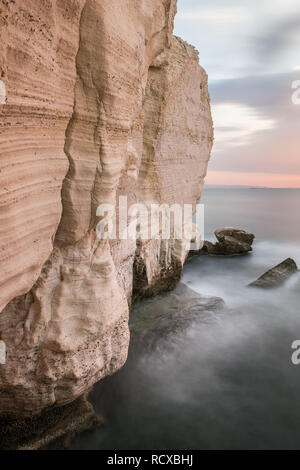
[[231, 241], [156, 320], [276, 276], [53, 429]]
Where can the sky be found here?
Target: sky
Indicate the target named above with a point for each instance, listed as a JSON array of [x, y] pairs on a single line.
[[250, 50]]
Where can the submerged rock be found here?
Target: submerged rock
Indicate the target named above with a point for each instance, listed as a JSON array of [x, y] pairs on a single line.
[[53, 429], [276, 276], [155, 320]]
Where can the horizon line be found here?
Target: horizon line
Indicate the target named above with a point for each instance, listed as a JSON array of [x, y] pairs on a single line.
[[248, 186]]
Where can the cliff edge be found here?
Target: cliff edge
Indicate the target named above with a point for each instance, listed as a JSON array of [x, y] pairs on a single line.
[[101, 101]]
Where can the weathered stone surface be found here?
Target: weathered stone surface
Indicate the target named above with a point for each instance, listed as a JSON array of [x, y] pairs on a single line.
[[231, 241], [208, 248], [177, 138], [39, 43], [98, 104], [154, 321], [276, 276], [237, 234]]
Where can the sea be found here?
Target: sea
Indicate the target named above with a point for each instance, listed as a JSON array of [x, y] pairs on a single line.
[[227, 384]]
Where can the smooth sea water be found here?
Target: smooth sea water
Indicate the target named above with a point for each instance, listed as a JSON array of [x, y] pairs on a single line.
[[229, 384]]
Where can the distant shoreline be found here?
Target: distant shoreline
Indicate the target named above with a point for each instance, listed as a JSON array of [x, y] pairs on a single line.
[[211, 186]]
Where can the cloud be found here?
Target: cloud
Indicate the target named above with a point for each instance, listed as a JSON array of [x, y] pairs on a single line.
[[236, 124], [266, 125], [278, 39], [242, 37], [268, 92], [251, 53], [214, 14]]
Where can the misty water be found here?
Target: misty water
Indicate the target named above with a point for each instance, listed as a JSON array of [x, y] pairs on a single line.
[[229, 383]]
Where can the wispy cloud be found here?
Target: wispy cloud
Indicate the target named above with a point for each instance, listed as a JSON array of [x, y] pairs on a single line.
[[251, 53], [215, 14], [235, 125], [271, 180], [265, 122]]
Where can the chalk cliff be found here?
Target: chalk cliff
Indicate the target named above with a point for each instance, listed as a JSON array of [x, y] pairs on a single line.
[[101, 101]]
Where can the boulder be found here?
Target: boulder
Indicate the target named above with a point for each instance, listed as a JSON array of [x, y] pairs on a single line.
[[208, 248], [276, 276], [231, 241], [235, 233]]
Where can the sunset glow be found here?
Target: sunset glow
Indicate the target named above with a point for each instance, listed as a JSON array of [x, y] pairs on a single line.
[[224, 178], [251, 55]]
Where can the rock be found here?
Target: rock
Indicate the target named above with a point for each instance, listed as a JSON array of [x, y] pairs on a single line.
[[236, 234], [156, 321], [231, 242], [98, 105], [208, 248], [231, 246], [276, 276], [52, 429]]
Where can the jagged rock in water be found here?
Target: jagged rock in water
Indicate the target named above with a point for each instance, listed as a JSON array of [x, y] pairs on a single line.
[[156, 320], [276, 276], [208, 248], [98, 105], [231, 241], [237, 234]]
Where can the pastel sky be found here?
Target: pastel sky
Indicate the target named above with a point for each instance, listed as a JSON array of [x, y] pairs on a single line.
[[250, 50]]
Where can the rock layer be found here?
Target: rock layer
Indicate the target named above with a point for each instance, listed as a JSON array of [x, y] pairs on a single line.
[[98, 104], [39, 42]]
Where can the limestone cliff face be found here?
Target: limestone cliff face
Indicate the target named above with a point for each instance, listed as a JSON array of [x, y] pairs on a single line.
[[101, 101]]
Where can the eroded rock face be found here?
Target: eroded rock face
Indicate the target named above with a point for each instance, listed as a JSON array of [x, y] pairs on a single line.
[[39, 43], [98, 104]]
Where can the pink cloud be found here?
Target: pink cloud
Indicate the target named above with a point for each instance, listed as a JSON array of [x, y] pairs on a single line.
[[269, 180]]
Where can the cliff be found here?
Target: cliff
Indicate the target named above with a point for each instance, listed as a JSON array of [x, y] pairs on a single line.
[[101, 101]]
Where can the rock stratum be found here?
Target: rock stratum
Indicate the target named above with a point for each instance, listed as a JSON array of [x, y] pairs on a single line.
[[99, 99]]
